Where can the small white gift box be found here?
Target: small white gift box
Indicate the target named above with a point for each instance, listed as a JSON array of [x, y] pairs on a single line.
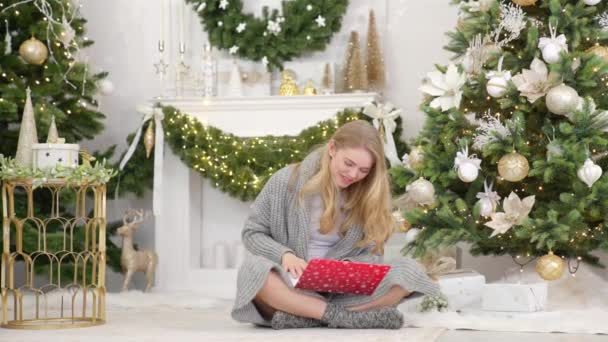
[[462, 289], [50, 155], [514, 297]]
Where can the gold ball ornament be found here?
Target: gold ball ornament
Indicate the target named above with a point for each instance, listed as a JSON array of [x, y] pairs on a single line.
[[288, 85], [33, 51], [513, 167], [416, 157], [403, 224], [149, 138], [550, 266], [600, 51], [524, 3]]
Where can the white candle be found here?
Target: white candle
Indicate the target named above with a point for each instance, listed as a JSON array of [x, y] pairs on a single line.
[[181, 21], [163, 4]]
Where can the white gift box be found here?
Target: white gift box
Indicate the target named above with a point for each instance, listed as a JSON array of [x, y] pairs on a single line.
[[514, 297], [50, 155], [462, 289]]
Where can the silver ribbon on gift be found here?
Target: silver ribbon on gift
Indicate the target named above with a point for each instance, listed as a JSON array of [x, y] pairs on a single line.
[[159, 144], [385, 115]]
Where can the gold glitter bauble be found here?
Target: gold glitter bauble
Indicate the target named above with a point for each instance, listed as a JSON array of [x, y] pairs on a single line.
[[599, 50], [149, 138], [288, 85], [513, 167], [524, 3], [550, 266], [33, 51]]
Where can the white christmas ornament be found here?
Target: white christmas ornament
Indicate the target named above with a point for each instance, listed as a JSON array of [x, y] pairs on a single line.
[[468, 166], [488, 200], [411, 235], [421, 192], [592, 2], [105, 86], [562, 99], [516, 211], [553, 46], [498, 81], [445, 87], [589, 173]]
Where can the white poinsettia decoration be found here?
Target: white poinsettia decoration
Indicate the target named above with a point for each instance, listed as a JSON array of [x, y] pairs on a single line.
[[488, 200], [447, 88], [516, 211], [534, 83]]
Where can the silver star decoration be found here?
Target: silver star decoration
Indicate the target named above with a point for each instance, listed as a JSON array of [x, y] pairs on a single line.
[[241, 27], [309, 7], [161, 67], [265, 61], [201, 6], [234, 49], [320, 21], [224, 4]]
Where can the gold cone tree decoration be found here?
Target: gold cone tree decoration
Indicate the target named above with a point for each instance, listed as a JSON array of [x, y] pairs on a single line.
[[53, 136], [356, 76], [28, 136], [328, 82], [375, 61]]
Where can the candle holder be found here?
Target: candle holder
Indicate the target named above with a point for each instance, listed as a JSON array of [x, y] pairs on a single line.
[[182, 70], [161, 67]]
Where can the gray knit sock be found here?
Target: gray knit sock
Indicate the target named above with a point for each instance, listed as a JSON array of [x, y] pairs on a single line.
[[385, 318], [284, 320]]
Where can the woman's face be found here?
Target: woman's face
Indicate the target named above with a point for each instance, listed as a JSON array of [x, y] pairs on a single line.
[[349, 165]]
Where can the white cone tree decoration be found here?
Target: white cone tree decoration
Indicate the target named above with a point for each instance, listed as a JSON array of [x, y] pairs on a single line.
[[28, 135], [235, 84]]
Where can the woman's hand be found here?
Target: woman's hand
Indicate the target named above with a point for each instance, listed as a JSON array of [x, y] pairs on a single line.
[[293, 264]]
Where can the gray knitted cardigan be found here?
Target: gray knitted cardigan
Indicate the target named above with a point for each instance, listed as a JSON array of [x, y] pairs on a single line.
[[279, 224]]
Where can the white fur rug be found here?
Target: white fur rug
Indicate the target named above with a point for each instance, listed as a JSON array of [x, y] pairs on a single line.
[[575, 305], [152, 317]]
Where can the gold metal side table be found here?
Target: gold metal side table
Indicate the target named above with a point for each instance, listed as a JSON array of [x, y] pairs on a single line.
[[41, 249]]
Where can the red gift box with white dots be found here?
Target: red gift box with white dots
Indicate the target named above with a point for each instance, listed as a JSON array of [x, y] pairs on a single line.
[[335, 276]]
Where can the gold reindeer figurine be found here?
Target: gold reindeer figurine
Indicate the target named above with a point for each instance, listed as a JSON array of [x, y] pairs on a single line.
[[133, 260]]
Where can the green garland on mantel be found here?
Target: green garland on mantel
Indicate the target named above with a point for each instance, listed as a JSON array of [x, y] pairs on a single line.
[[240, 166], [303, 26]]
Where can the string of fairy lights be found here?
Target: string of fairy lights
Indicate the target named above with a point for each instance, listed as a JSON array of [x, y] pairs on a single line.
[[241, 165]]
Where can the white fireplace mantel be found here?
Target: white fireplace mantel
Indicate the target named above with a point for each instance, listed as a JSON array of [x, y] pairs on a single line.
[[193, 215]]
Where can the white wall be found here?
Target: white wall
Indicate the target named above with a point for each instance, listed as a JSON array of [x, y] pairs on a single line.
[[413, 38]]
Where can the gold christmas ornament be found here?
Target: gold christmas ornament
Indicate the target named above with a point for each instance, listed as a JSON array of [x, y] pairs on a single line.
[[149, 138], [33, 51], [550, 266], [513, 167], [524, 3], [600, 51], [288, 85], [310, 89], [416, 157], [402, 223]]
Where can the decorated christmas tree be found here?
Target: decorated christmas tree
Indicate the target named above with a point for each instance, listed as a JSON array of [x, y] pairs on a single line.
[[515, 138], [44, 55]]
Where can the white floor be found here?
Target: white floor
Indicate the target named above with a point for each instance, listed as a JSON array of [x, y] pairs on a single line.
[[155, 317]]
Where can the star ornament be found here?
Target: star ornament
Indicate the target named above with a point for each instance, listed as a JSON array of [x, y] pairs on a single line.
[[224, 4], [234, 49], [320, 21], [516, 211], [242, 26], [161, 67]]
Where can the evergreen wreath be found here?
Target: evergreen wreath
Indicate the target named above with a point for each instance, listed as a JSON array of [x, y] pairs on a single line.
[[302, 26]]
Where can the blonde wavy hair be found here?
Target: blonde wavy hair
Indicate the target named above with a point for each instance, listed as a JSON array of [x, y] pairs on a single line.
[[366, 202]]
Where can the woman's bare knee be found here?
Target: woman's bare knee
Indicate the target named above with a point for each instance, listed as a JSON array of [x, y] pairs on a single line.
[[274, 283]]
